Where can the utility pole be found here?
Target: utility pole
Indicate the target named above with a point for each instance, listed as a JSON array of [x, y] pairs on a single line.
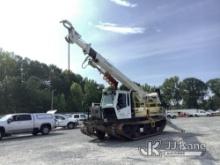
[[69, 57], [52, 93], [52, 90], [6, 84], [22, 73]]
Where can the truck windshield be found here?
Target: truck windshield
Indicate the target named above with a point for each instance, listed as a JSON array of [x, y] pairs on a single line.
[[107, 100]]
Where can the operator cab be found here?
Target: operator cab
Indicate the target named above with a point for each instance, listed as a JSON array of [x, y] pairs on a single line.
[[116, 104]]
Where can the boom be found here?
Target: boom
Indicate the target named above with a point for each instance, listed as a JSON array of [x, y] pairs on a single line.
[[120, 113], [98, 61]]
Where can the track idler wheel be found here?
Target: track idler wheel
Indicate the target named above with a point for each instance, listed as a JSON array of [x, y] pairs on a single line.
[[132, 131], [89, 131], [100, 134]]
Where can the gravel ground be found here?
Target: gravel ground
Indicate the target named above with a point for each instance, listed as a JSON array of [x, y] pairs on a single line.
[[71, 147]]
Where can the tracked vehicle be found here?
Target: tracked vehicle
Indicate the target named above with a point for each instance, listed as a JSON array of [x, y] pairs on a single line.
[[129, 114]]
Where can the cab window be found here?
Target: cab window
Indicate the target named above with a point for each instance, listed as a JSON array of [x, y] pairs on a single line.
[[76, 116], [128, 99], [121, 101], [82, 116], [59, 117], [21, 117]]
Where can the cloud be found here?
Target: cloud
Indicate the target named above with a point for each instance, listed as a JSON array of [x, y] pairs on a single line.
[[120, 29], [172, 46], [124, 3]]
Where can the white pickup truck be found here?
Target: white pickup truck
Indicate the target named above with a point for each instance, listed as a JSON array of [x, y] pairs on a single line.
[[26, 123], [79, 117], [65, 121], [201, 112]]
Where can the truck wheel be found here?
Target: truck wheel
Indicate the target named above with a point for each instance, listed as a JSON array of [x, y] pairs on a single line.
[[70, 125], [1, 134], [111, 137], [100, 134], [35, 132], [45, 130]]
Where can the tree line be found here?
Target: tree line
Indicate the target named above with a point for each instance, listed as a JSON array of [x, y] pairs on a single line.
[[28, 86], [191, 93]]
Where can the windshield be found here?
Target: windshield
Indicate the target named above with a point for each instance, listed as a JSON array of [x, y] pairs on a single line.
[[107, 99], [5, 117]]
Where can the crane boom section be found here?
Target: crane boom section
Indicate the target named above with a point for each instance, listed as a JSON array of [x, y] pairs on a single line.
[[74, 37]]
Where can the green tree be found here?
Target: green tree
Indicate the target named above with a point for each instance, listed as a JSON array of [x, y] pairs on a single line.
[[75, 99], [93, 93], [193, 91], [123, 87], [38, 96], [214, 85], [60, 103], [171, 92], [148, 88], [7, 65], [214, 100]]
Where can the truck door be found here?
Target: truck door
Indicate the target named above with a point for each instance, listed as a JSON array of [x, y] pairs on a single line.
[[20, 123], [60, 121], [123, 106]]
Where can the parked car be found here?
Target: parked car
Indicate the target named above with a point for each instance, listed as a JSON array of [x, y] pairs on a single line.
[[201, 112], [171, 115], [65, 121], [26, 123], [214, 113], [80, 117]]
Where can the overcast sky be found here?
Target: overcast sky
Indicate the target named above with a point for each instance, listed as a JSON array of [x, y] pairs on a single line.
[[148, 40]]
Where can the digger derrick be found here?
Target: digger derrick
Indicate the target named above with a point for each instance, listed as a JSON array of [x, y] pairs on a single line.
[[132, 114]]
